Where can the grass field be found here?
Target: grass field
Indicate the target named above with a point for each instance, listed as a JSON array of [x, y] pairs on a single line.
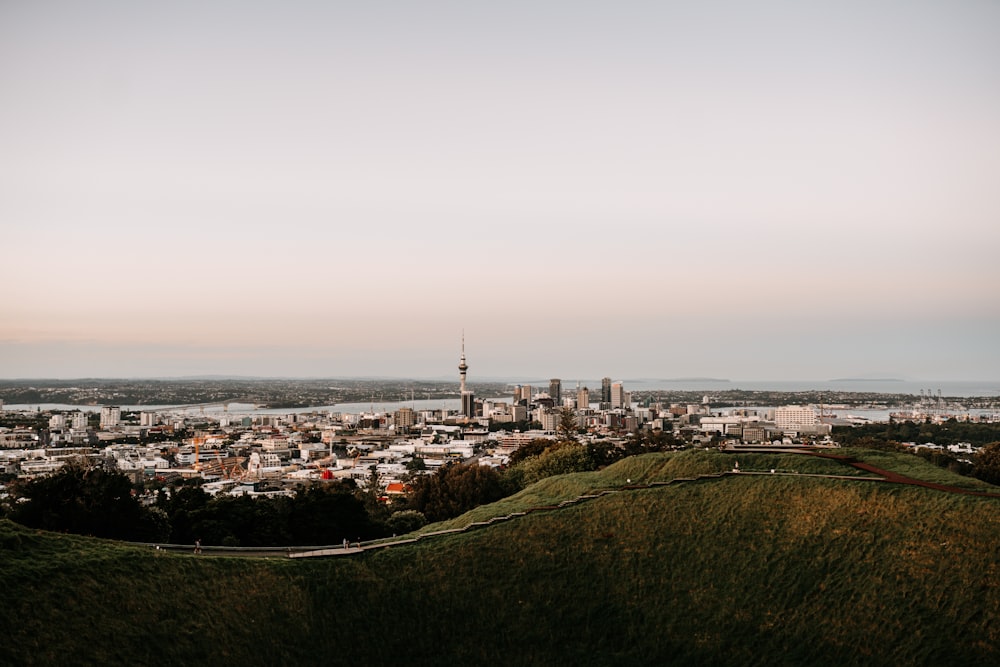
[[644, 469], [754, 570], [916, 467]]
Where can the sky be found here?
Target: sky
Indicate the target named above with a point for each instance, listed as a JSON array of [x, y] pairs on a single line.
[[744, 190]]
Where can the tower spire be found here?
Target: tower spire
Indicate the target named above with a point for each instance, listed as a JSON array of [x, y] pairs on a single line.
[[462, 366]]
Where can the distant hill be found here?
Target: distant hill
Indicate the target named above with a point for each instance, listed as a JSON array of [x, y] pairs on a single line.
[[748, 570], [867, 380]]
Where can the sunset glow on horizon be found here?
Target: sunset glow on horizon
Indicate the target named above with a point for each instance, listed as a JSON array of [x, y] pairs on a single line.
[[739, 190]]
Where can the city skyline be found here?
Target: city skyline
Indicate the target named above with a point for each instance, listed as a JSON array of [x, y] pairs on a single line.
[[743, 191]]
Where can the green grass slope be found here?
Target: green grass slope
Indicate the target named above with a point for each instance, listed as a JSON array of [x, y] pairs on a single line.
[[646, 469], [756, 570], [913, 466]]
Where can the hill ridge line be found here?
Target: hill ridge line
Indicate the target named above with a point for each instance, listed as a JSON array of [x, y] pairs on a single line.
[[884, 476]]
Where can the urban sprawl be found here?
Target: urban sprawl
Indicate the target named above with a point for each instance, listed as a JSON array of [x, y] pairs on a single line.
[[254, 453]]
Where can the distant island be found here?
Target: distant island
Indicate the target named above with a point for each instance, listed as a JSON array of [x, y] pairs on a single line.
[[722, 380]]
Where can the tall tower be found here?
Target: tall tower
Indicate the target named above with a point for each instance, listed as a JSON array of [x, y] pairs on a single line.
[[462, 366], [468, 399], [555, 391]]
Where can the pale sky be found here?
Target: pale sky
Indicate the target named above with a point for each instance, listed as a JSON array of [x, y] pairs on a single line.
[[769, 190]]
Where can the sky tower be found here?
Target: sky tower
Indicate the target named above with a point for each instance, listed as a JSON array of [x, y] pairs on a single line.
[[462, 366], [468, 400]]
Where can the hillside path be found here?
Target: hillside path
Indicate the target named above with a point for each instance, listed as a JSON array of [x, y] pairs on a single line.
[[897, 478]]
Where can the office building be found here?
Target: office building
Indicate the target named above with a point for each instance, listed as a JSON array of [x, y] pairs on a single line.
[[555, 391], [620, 399]]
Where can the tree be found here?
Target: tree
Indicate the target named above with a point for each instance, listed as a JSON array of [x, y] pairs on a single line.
[[568, 423], [603, 452], [454, 489], [183, 504], [987, 464], [406, 521], [529, 449], [560, 458], [371, 495], [328, 514], [87, 502]]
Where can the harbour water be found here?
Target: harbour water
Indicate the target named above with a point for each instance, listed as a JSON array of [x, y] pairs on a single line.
[[706, 386]]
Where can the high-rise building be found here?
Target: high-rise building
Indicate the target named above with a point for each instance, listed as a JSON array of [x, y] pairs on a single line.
[[555, 391], [619, 397], [111, 416], [583, 399], [404, 418], [605, 393], [792, 417], [468, 404]]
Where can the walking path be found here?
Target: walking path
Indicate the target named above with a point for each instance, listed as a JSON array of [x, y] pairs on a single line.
[[354, 548], [896, 478]]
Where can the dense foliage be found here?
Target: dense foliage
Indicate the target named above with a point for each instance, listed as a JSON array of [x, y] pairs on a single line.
[[987, 466], [950, 432], [317, 515], [454, 489], [87, 502], [102, 504]]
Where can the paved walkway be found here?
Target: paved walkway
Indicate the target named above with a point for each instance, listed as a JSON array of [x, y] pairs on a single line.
[[882, 476]]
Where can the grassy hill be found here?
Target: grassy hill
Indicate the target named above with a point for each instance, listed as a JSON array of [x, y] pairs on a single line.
[[740, 570]]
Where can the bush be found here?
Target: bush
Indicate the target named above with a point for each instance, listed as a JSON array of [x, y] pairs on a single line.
[[454, 489], [406, 521], [987, 465], [558, 459]]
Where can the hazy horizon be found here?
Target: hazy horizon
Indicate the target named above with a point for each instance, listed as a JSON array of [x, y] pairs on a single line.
[[630, 189]]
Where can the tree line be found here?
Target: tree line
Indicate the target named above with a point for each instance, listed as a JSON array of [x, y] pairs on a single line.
[[984, 465], [101, 503]]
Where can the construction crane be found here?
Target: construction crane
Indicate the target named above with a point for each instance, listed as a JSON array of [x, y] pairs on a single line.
[[198, 441]]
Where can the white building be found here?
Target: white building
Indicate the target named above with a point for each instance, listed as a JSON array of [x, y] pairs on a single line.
[[794, 417], [111, 416]]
